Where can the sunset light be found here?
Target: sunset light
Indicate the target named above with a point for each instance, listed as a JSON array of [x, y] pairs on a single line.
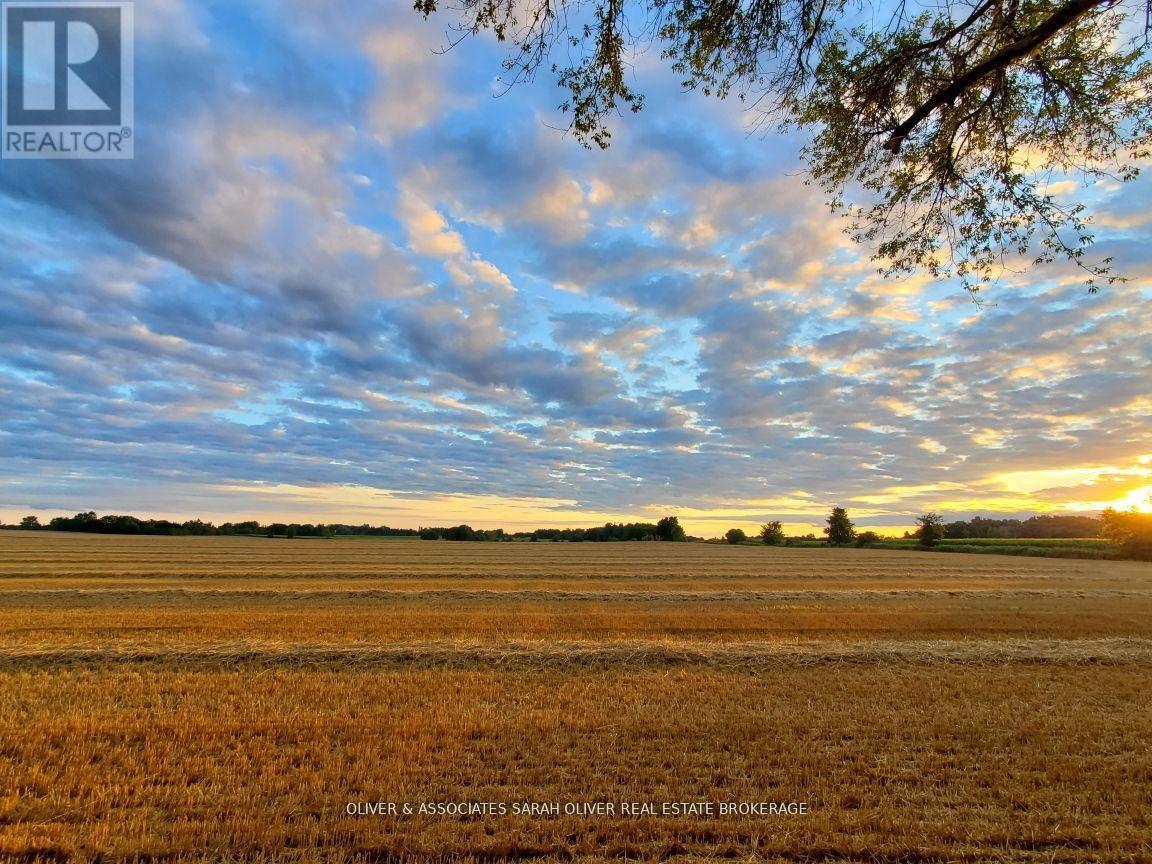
[[575, 431]]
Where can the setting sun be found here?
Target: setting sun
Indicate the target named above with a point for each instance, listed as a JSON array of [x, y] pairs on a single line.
[[1137, 499]]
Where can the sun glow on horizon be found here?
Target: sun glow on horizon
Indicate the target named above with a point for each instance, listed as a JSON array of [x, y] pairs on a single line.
[[1139, 500]]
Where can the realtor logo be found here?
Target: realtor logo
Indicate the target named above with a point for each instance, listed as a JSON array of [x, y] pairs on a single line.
[[67, 80]]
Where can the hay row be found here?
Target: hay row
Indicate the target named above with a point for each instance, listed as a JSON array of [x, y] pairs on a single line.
[[380, 595], [597, 655]]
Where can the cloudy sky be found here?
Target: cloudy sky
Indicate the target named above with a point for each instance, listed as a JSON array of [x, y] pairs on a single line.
[[346, 279]]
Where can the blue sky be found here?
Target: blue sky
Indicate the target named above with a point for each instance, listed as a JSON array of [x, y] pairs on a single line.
[[345, 279]]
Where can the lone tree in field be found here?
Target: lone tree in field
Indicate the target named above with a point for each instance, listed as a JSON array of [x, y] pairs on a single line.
[[840, 530], [735, 536], [936, 127], [30, 523], [668, 529], [772, 533], [931, 530]]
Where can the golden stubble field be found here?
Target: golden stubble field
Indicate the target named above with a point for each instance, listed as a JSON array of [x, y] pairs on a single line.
[[215, 699]]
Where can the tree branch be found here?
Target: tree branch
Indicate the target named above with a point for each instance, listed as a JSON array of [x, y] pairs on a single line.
[[1006, 56]]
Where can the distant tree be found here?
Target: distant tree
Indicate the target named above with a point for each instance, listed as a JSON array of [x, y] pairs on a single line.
[[867, 538], [1130, 530], [460, 533], [668, 529], [735, 536], [840, 530], [30, 523], [931, 530], [772, 533]]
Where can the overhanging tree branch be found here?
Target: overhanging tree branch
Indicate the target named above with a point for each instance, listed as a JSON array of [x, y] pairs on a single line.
[[953, 90], [1027, 44]]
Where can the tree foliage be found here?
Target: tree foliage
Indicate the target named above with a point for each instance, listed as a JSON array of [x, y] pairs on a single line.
[[90, 522], [931, 529], [840, 529], [1131, 530], [772, 533], [735, 536], [937, 128], [669, 529], [1035, 526]]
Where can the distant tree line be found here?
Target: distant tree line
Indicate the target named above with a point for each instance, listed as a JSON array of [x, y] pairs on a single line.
[[90, 523], [931, 529], [1038, 527], [839, 532], [463, 533], [667, 529]]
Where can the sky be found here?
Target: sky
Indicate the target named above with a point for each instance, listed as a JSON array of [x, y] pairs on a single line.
[[351, 277]]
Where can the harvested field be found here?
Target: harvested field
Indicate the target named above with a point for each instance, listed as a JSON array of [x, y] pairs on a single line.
[[207, 699]]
